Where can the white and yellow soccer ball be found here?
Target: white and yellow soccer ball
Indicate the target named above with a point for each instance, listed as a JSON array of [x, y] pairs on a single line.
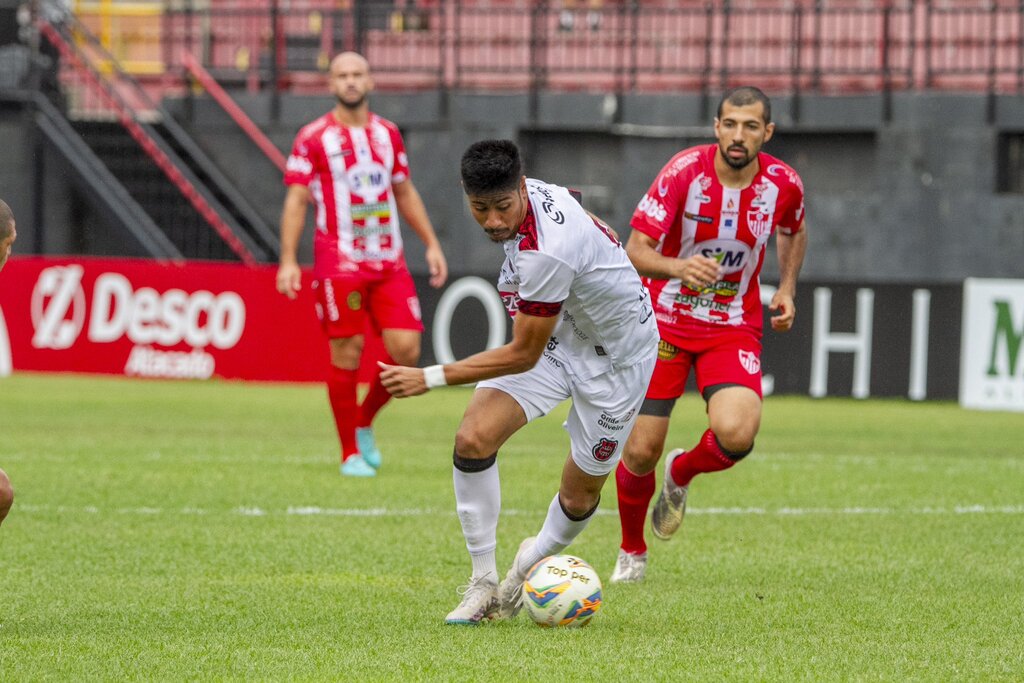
[[562, 590]]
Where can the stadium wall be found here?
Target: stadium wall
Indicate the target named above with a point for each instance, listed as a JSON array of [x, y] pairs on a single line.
[[890, 187], [891, 184]]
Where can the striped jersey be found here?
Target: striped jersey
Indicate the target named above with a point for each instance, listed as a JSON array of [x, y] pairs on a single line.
[[689, 212], [350, 172]]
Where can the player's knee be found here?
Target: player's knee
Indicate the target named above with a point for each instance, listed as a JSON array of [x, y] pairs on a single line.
[[641, 458], [469, 443], [735, 432], [737, 438], [579, 505]]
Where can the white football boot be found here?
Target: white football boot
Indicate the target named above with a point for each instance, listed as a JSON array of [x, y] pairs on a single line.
[[629, 567], [479, 601], [671, 504], [510, 592]]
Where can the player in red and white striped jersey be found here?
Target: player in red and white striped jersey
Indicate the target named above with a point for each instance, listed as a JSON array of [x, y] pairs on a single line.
[[699, 237], [7, 236], [352, 164]]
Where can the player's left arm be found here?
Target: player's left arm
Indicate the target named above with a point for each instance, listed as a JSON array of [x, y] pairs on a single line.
[[530, 334], [791, 248], [411, 206]]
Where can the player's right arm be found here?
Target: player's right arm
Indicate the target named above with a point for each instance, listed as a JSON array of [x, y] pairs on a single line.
[[696, 272], [293, 218], [530, 335]]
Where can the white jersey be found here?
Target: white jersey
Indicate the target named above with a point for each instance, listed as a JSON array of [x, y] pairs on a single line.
[[564, 263]]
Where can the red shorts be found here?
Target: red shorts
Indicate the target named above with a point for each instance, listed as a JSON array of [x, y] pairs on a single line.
[[385, 301], [730, 357]]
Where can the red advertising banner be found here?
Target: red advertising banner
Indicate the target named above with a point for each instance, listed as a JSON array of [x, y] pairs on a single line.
[[140, 318]]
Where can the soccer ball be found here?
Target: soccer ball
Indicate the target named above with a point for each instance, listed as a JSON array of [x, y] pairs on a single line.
[[562, 590]]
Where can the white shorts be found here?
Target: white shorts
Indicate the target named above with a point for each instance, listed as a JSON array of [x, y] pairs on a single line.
[[603, 411]]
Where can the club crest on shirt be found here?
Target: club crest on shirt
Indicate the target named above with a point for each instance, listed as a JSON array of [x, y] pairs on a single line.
[[750, 362], [759, 222], [354, 301], [604, 449]]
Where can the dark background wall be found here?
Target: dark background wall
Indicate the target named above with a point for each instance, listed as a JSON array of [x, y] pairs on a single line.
[[912, 194]]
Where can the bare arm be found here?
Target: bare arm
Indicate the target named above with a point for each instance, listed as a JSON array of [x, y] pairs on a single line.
[[293, 219], [530, 335], [791, 250], [695, 272], [410, 205]]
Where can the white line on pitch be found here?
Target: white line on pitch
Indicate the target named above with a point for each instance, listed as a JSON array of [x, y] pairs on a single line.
[[315, 511]]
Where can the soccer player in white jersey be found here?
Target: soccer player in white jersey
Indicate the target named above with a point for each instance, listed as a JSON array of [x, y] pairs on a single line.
[[699, 237], [8, 234], [352, 163], [583, 328]]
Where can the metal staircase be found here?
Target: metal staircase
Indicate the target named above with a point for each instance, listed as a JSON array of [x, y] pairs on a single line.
[[156, 162]]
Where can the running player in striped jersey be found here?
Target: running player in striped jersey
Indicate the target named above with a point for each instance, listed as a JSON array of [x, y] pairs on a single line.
[[352, 164], [699, 237]]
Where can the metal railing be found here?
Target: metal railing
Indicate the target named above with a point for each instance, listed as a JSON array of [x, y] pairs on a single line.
[[620, 46]]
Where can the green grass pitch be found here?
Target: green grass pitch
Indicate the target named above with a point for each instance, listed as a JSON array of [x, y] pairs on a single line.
[[200, 531]]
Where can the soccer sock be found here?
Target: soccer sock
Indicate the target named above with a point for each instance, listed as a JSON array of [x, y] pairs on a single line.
[[341, 389], [707, 456], [635, 493], [559, 530], [375, 398], [477, 502]]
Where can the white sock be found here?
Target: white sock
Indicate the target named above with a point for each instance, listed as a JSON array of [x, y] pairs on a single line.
[[477, 502], [555, 536]]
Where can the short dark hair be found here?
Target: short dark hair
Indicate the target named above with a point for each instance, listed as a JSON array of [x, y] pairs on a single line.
[[746, 95], [6, 220], [491, 167]]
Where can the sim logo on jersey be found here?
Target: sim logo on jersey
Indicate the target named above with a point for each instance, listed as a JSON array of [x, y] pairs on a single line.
[[750, 362], [368, 180], [732, 255]]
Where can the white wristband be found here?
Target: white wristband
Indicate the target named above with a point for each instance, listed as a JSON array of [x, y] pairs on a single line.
[[433, 375]]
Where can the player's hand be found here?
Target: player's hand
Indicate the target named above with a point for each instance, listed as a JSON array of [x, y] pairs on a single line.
[[783, 312], [289, 279], [700, 272], [402, 381], [437, 265]]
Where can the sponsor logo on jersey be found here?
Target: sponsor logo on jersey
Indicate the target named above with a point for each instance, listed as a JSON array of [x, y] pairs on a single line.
[[667, 351], [297, 164], [652, 208], [662, 187], [732, 255], [604, 449], [698, 218], [548, 205], [750, 362], [368, 180]]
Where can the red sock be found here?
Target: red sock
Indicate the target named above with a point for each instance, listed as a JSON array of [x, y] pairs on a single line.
[[341, 389], [375, 398], [706, 456], [635, 495]]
